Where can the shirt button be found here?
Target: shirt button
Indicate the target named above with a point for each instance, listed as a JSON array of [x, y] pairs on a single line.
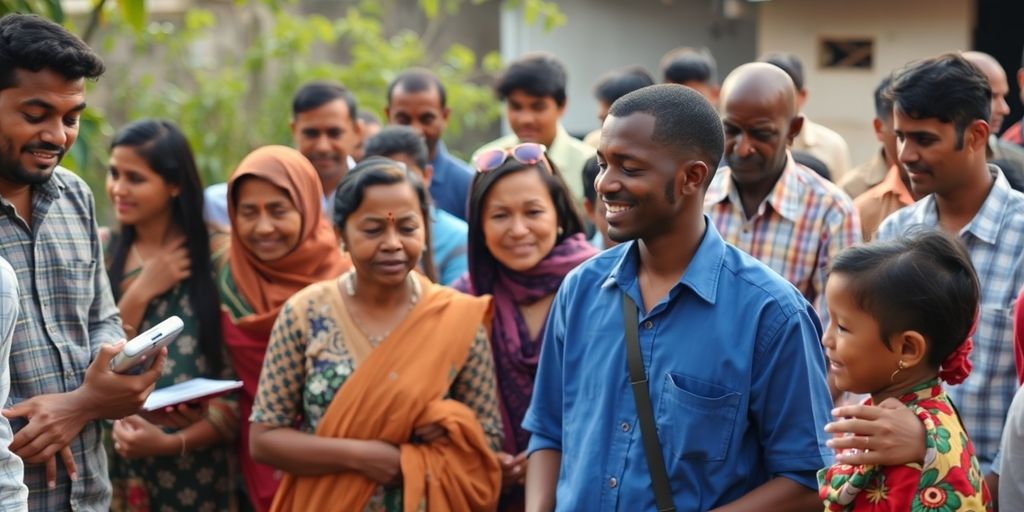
[[624, 426], [648, 325], [69, 375], [613, 483]]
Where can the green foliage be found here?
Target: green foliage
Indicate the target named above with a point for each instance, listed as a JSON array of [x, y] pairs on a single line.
[[228, 104], [50, 8]]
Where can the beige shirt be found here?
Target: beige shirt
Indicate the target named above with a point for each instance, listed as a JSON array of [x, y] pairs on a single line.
[[567, 153], [865, 175], [825, 145], [881, 201]]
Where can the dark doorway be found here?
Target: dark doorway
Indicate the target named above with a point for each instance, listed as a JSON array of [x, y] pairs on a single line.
[[1000, 33]]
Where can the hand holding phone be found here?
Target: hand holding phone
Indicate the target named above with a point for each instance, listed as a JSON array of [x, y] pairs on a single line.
[[138, 354]]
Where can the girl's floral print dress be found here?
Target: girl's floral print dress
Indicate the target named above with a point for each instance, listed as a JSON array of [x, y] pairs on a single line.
[[949, 480]]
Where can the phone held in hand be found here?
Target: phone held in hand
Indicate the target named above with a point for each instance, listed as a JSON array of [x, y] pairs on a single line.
[[138, 354]]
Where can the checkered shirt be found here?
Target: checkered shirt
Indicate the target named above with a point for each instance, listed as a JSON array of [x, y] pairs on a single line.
[[13, 493], [995, 241], [67, 311], [797, 229]]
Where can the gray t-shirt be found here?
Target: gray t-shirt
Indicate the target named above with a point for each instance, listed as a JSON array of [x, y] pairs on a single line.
[[1011, 457]]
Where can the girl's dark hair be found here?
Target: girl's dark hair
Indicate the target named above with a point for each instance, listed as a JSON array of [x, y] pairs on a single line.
[[480, 256], [922, 282], [377, 170], [164, 148]]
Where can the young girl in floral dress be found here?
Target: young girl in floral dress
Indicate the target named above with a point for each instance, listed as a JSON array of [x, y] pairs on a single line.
[[902, 313]]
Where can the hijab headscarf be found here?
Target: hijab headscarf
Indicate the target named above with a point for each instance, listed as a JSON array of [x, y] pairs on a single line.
[[266, 285]]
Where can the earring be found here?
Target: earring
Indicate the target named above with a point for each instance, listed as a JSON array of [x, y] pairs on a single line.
[[560, 231], [899, 368]]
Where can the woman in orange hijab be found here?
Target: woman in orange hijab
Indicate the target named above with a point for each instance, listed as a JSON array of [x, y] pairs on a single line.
[[280, 243], [378, 389]]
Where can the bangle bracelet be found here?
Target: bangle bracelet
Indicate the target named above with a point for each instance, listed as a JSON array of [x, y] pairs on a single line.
[[182, 437]]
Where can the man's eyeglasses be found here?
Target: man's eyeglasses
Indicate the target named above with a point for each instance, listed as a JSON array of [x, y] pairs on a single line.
[[526, 153]]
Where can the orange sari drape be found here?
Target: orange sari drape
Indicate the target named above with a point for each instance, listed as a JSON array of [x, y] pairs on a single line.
[[399, 387]]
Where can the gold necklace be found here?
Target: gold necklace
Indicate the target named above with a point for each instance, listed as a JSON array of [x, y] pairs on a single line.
[[347, 282]]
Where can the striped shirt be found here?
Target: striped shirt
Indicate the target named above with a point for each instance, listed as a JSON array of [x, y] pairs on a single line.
[[995, 240], [67, 311], [797, 229], [12, 491]]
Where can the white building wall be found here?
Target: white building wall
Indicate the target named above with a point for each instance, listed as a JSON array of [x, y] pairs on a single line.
[[903, 30], [602, 35]]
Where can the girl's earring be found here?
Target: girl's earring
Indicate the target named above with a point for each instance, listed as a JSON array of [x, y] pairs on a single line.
[[560, 231], [899, 368]]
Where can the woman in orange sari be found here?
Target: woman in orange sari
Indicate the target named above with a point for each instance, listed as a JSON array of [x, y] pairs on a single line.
[[280, 243], [378, 389]]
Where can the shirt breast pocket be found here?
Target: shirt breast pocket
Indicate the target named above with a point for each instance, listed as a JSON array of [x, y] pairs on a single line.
[[74, 285], [696, 419]]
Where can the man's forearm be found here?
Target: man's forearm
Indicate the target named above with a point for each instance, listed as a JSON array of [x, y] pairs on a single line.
[[779, 494], [541, 480]]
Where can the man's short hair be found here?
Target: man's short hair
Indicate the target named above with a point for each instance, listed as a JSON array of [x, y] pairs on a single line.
[[368, 117], [34, 43], [789, 63], [686, 64], [883, 103], [683, 120], [537, 74], [621, 82], [947, 88], [590, 171], [398, 139], [314, 95], [418, 80]]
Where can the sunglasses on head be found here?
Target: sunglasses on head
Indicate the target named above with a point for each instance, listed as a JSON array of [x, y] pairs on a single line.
[[526, 153]]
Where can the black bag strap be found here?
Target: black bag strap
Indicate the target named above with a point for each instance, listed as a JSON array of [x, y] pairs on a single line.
[[644, 409]]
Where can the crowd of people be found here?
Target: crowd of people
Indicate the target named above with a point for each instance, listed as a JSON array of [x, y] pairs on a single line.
[[703, 305]]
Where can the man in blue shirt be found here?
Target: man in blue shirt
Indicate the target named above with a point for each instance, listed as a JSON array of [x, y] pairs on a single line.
[[416, 98], [731, 350]]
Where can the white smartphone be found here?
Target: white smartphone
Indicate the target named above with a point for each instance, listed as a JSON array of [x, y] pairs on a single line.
[[139, 353]]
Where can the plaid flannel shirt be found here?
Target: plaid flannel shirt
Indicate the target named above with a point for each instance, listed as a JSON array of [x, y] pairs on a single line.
[[798, 228], [995, 241], [67, 312]]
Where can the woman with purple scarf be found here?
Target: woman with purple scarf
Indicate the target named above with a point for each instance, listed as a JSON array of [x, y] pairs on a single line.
[[525, 235]]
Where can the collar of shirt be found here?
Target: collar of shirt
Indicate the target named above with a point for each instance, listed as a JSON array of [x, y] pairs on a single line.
[[892, 185], [441, 159], [985, 224], [876, 170], [561, 147], [785, 197], [701, 275], [808, 135]]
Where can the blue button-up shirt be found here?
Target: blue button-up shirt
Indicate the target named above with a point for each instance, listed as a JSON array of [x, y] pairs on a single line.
[[737, 383], [449, 186]]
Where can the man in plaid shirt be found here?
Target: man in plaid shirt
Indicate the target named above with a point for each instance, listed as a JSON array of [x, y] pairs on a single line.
[[941, 112], [766, 204], [13, 494], [61, 382]]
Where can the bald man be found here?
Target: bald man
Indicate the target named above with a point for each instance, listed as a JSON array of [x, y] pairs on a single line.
[[763, 202], [1008, 156]]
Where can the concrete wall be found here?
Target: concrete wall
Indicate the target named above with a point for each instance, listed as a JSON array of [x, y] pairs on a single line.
[[902, 30], [601, 35]]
